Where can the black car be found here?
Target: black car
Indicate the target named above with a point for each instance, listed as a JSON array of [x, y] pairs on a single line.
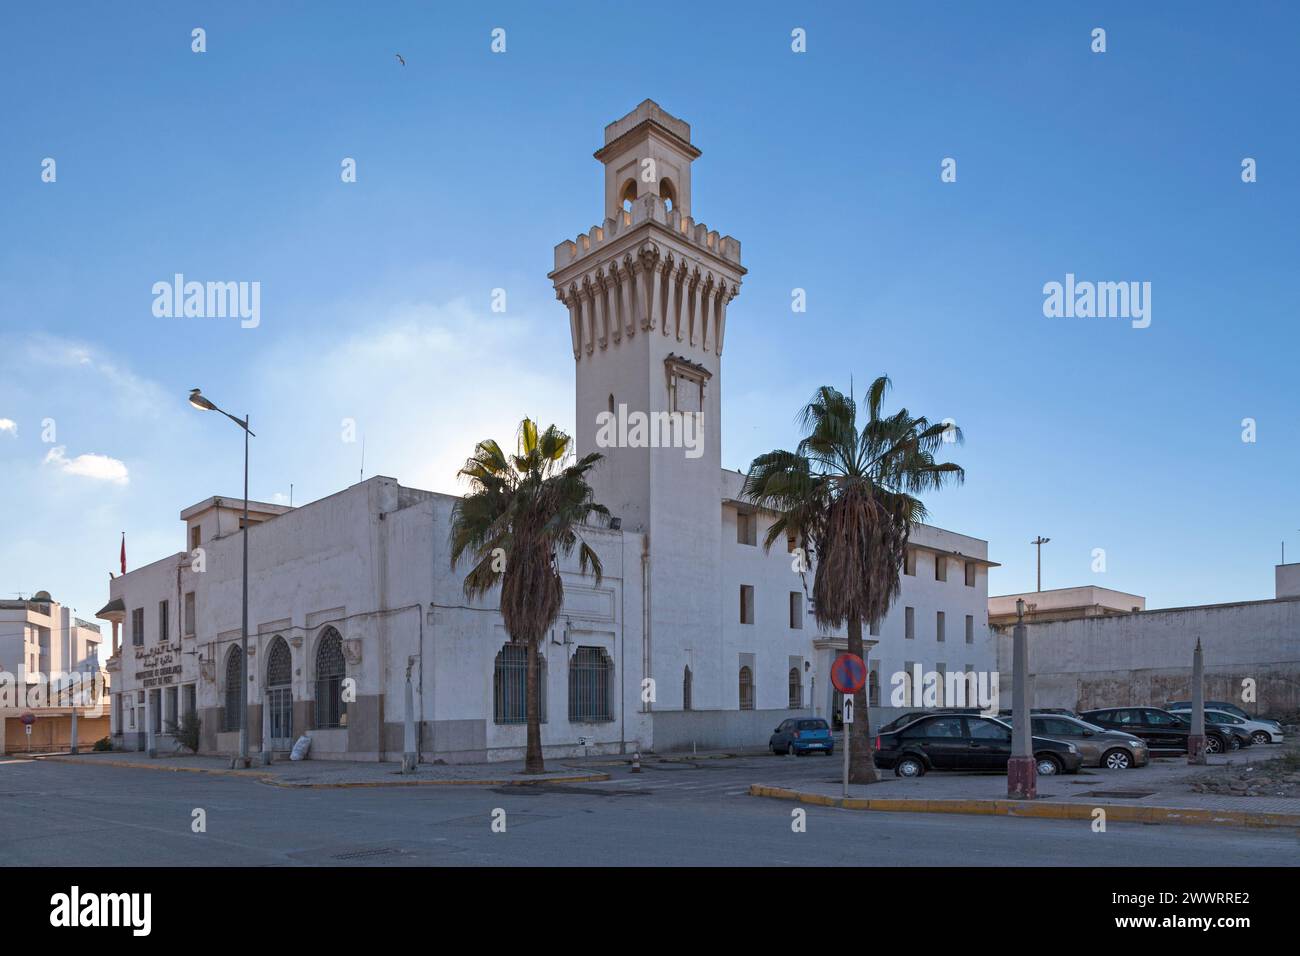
[[906, 718], [1164, 731], [964, 742]]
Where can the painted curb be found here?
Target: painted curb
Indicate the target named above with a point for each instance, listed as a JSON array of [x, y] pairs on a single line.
[[269, 778], [1043, 810]]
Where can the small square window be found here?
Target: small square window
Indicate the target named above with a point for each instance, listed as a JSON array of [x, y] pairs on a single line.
[[909, 562], [970, 574], [940, 568]]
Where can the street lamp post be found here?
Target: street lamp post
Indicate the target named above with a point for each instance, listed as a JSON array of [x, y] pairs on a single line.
[[203, 404], [1040, 541]]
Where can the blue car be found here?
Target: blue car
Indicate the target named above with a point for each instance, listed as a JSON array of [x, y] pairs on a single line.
[[803, 735]]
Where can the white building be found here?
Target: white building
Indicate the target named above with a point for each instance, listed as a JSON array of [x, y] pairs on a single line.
[[349, 592], [48, 658]]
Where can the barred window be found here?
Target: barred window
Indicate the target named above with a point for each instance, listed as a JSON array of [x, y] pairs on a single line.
[[589, 685], [746, 689], [234, 680], [279, 663], [796, 689], [873, 686], [510, 685], [331, 708], [686, 688]]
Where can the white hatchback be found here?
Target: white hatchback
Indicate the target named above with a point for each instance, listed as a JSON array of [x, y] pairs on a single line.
[[1261, 731]]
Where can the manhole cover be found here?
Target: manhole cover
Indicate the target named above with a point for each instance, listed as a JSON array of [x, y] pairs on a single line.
[[1120, 794]]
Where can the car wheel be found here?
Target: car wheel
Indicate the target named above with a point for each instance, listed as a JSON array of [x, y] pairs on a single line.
[[789, 750], [1213, 745], [1048, 766], [1116, 760], [1234, 743], [909, 767], [1259, 737]]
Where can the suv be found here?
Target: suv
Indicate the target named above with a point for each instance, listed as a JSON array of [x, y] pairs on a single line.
[[1164, 731], [1261, 731], [964, 742]]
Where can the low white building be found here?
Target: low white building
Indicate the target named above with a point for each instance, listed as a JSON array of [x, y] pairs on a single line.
[[695, 636]]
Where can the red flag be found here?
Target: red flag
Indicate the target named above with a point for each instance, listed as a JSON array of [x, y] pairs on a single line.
[[124, 552]]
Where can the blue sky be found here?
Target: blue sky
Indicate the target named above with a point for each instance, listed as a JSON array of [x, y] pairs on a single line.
[[472, 165]]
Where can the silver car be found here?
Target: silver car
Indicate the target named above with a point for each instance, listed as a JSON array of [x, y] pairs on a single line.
[[1100, 747]]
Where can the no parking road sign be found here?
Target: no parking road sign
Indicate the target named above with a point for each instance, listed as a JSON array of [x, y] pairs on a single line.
[[849, 673]]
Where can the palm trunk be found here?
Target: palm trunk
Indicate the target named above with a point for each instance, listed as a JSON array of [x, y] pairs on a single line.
[[533, 762], [862, 768]]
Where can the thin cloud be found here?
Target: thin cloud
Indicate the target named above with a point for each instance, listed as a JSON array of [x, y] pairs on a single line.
[[96, 467], [9, 426]]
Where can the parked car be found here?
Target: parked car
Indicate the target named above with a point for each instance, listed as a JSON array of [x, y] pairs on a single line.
[[802, 735], [1099, 747], [1164, 731], [1273, 727], [904, 719], [1061, 711], [1261, 731], [964, 742]]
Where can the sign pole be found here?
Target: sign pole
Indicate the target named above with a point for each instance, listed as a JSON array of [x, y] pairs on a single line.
[[847, 720]]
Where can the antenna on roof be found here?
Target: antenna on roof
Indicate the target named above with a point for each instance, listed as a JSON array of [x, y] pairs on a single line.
[[362, 476], [291, 494]]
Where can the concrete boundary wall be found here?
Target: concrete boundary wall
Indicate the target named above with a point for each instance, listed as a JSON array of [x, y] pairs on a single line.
[[1146, 658]]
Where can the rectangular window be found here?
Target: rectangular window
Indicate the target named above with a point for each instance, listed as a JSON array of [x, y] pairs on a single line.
[[791, 542], [170, 703], [909, 562], [189, 613], [137, 627], [873, 684], [155, 711], [162, 622], [875, 628], [939, 627], [746, 604], [940, 568], [194, 538], [941, 678], [970, 574], [970, 628], [746, 529], [909, 623], [908, 668], [189, 701], [796, 609]]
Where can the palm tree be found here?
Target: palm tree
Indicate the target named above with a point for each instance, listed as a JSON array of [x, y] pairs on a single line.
[[849, 498], [523, 512]]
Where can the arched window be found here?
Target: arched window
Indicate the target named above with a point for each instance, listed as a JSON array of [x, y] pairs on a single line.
[[669, 193], [331, 708], [611, 403], [510, 685], [279, 663], [873, 688], [746, 689], [796, 689], [686, 688], [589, 685], [627, 194], [234, 681]]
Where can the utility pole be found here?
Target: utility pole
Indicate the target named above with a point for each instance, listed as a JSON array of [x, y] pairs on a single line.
[[1040, 541]]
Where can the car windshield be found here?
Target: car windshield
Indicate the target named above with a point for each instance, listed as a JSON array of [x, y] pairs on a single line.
[[1087, 726], [812, 725]]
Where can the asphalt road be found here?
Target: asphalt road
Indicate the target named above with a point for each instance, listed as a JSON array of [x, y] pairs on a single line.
[[695, 813]]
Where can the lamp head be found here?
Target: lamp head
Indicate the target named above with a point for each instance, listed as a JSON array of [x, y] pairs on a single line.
[[199, 402]]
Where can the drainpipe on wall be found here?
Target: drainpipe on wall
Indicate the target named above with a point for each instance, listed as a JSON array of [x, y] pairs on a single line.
[[645, 612]]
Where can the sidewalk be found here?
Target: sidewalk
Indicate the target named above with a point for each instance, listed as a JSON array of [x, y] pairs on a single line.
[[1159, 793], [341, 773]]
